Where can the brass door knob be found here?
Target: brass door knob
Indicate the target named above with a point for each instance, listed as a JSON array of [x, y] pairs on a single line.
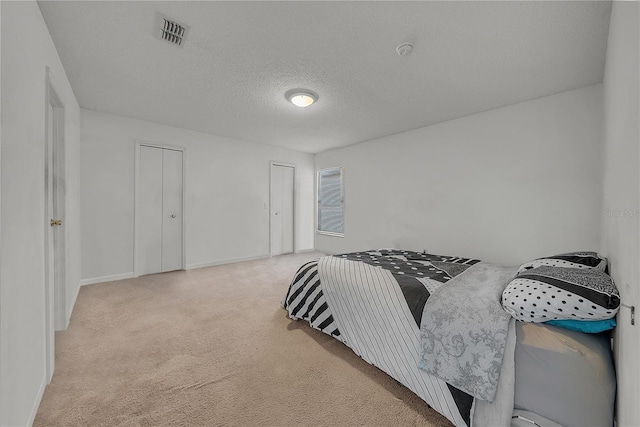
[[56, 222]]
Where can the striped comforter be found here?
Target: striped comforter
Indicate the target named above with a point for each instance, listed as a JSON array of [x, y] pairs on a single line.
[[373, 302]]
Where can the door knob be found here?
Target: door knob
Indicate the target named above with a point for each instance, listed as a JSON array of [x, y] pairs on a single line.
[[56, 222]]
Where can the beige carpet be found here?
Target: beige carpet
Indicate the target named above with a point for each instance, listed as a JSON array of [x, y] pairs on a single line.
[[212, 347]]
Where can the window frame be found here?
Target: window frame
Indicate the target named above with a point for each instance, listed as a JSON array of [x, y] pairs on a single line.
[[342, 200]]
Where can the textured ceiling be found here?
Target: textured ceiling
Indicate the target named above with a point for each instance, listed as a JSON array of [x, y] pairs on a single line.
[[241, 57]]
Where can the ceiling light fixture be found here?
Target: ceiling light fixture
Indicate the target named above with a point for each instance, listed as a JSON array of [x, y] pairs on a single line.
[[301, 97]]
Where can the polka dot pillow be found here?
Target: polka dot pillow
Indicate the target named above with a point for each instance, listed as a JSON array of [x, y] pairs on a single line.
[[552, 293], [582, 260]]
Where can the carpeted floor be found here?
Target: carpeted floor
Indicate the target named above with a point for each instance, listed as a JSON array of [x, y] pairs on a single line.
[[213, 347]]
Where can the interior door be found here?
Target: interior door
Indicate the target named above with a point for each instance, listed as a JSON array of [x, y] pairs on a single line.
[[171, 210], [55, 248], [150, 212], [50, 223], [160, 210], [281, 201], [287, 209]]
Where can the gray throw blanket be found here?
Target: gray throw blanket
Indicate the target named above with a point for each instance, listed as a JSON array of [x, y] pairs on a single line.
[[464, 330]]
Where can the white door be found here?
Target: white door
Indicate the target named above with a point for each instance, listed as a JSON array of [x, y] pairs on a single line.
[[49, 245], [150, 212], [171, 210], [159, 210], [54, 256], [281, 201]]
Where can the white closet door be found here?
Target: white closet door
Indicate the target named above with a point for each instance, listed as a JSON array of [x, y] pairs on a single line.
[[281, 201], [160, 214], [171, 210], [287, 210], [276, 207], [150, 215]]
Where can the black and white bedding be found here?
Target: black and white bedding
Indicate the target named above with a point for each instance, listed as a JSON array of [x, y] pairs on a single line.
[[374, 303], [437, 325]]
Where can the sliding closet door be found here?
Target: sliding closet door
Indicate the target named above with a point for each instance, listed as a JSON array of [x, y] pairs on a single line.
[[150, 212], [287, 209], [159, 210], [171, 210], [281, 201]]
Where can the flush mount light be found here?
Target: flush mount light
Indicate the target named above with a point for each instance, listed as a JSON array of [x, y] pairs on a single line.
[[301, 97]]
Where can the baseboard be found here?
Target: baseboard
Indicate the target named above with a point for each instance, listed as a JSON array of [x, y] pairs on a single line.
[[304, 251], [225, 261], [72, 304], [113, 277], [36, 404], [110, 278]]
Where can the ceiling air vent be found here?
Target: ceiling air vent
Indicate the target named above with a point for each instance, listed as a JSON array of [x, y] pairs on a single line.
[[170, 30]]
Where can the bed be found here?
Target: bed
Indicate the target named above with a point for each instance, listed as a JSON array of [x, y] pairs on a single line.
[[437, 325]]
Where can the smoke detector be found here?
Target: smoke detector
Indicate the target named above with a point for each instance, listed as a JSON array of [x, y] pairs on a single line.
[[404, 49], [170, 30]]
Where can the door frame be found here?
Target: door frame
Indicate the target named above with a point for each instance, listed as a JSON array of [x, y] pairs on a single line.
[[136, 209], [56, 292], [289, 165]]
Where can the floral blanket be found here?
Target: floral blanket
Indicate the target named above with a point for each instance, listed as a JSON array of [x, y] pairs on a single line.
[[463, 331]]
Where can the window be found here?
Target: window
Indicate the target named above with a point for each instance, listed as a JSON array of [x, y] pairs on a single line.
[[331, 202]]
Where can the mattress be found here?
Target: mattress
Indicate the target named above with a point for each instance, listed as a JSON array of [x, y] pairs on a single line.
[[564, 376]]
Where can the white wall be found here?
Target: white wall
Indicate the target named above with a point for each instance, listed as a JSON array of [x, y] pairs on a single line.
[[505, 185], [621, 195], [26, 50], [227, 185]]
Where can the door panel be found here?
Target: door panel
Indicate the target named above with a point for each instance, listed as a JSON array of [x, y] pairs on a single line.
[[281, 222], [171, 210], [50, 248], [276, 207], [287, 210], [150, 219]]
